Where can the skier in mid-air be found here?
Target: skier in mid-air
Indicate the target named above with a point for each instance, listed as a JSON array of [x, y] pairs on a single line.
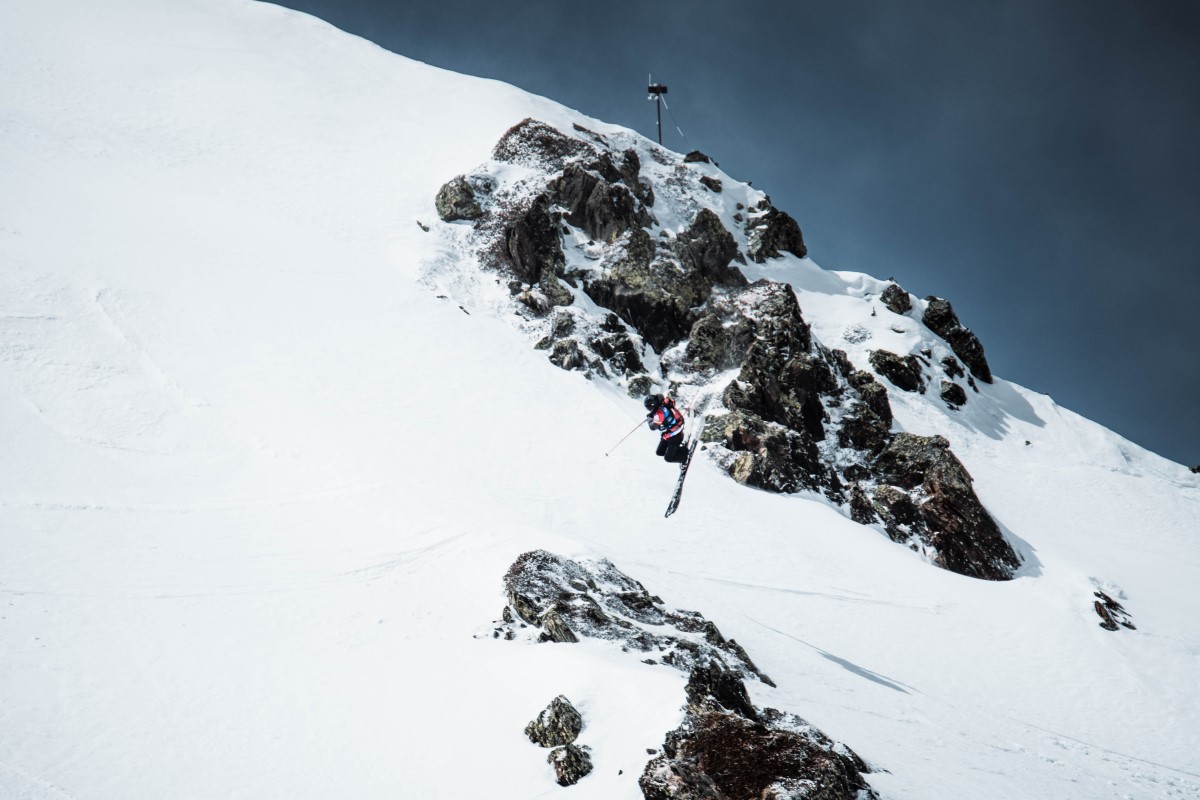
[[664, 416]]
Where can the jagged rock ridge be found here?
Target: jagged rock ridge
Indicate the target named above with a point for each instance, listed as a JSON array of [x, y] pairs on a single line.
[[555, 599], [583, 227]]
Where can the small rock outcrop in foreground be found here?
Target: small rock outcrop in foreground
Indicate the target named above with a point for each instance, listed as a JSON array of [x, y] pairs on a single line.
[[727, 748], [555, 599]]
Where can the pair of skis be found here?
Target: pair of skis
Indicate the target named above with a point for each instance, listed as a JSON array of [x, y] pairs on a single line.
[[697, 408]]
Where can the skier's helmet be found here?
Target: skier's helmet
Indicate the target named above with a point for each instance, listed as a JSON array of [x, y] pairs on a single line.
[[653, 402]]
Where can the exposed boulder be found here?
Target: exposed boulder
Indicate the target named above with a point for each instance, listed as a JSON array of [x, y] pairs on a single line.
[[706, 247], [964, 537], [650, 292], [567, 355], [559, 723], [534, 251], [535, 144], [952, 368], [696, 157], [571, 764], [940, 318], [604, 210], [712, 184], [1112, 614], [456, 201], [1196, 469], [618, 350], [593, 598], [953, 394], [896, 299], [903, 371], [716, 345], [773, 233], [769, 456], [726, 748]]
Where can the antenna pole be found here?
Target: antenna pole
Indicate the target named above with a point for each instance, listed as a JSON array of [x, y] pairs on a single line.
[[657, 90]]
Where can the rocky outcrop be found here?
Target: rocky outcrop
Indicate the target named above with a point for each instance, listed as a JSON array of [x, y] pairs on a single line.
[[1113, 615], [559, 723], [456, 201], [727, 748], [534, 252], [535, 144], [896, 299], [571, 764], [712, 184], [903, 371], [940, 318], [677, 313], [941, 508], [770, 233], [555, 599], [696, 157], [656, 289], [952, 394], [707, 248], [602, 209]]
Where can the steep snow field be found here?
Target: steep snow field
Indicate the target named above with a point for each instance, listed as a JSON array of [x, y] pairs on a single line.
[[260, 484]]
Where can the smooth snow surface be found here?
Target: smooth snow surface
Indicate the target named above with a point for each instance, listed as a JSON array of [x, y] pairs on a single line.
[[260, 485]]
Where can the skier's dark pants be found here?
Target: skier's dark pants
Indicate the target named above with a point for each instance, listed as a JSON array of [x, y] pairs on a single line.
[[672, 449]]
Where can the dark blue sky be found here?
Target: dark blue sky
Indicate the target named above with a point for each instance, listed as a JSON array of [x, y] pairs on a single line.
[[1034, 161]]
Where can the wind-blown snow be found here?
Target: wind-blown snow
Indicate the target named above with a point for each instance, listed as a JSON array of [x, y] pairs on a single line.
[[260, 484]]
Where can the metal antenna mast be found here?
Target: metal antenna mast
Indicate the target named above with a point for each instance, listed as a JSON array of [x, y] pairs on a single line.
[[657, 90]]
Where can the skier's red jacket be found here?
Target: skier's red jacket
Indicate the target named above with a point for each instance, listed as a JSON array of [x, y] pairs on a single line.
[[667, 418]]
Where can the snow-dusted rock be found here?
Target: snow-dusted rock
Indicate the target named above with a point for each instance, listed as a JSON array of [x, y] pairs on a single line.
[[456, 201], [726, 748], [560, 599], [940, 318], [903, 371], [559, 723], [571, 764], [896, 299]]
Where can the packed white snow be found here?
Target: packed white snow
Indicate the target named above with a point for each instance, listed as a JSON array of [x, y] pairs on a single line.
[[260, 484]]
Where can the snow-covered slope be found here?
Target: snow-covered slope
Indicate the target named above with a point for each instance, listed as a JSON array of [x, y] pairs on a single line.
[[261, 485]]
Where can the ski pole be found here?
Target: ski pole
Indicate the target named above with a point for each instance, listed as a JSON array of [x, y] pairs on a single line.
[[626, 436]]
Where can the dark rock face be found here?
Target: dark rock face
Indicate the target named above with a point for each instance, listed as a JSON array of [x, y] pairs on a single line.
[[696, 156], [650, 291], [953, 394], [551, 598], [602, 209], [456, 201], [1112, 614], [713, 345], [904, 372], [952, 368], [1196, 469], [773, 233], [558, 724], [571, 764], [940, 318], [964, 537], [712, 184], [534, 251], [726, 748], [567, 355], [896, 299], [709, 249]]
